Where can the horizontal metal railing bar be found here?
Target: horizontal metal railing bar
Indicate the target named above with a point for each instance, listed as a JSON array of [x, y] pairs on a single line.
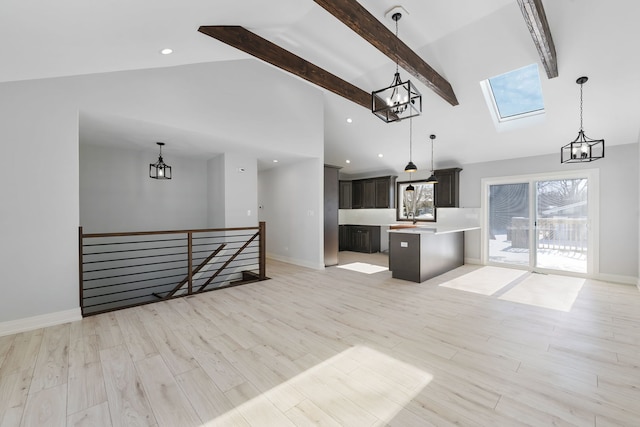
[[227, 248], [133, 250], [94, 313], [164, 247], [138, 257], [130, 242], [219, 279], [159, 255], [153, 233], [221, 236], [226, 242], [136, 265], [216, 263], [133, 281], [129, 291], [207, 252], [133, 274]]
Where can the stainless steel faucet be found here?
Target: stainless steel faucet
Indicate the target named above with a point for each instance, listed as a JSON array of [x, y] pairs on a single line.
[[412, 215]]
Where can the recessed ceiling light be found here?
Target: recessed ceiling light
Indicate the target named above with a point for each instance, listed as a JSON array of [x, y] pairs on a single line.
[[166, 51], [380, 155], [347, 161], [275, 161], [349, 120]]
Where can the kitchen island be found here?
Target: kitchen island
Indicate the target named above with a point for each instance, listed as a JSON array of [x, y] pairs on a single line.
[[420, 253]]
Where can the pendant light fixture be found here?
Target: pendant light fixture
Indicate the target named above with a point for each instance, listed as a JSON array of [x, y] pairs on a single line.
[[411, 167], [159, 170], [399, 101], [583, 148], [432, 179]]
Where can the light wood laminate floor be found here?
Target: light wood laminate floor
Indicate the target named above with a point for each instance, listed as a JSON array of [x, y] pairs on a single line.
[[331, 348]]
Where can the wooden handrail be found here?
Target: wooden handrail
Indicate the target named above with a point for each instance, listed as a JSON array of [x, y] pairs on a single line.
[[188, 279], [201, 288]]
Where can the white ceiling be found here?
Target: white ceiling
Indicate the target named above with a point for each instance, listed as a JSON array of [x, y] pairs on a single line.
[[466, 41]]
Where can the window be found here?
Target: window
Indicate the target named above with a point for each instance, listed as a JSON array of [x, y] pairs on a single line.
[[417, 204], [514, 95]]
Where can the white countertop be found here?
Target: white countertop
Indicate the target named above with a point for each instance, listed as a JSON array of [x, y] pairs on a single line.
[[435, 229]]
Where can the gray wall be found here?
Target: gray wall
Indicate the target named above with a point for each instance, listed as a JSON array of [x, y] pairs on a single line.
[[290, 201], [116, 193], [619, 201], [215, 192], [39, 180]]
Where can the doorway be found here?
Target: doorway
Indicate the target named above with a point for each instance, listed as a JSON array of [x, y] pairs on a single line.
[[542, 222]]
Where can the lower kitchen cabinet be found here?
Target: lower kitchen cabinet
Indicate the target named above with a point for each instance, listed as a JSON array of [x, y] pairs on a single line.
[[360, 238]]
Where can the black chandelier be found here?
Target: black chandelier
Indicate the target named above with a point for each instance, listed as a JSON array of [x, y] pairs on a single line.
[[399, 101], [583, 148], [159, 170]]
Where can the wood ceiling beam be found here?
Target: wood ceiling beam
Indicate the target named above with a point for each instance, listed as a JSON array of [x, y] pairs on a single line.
[[254, 45], [356, 17], [536, 21]]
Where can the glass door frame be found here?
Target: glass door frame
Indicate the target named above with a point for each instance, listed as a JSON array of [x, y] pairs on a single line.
[[593, 209]]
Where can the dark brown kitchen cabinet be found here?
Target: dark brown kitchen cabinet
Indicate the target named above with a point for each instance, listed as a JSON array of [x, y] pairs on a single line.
[[370, 193], [357, 194], [369, 188], [344, 238], [384, 188], [360, 238], [448, 188], [345, 195]]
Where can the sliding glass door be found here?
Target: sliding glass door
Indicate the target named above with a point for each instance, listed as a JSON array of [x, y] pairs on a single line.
[[541, 222], [509, 224], [561, 222]]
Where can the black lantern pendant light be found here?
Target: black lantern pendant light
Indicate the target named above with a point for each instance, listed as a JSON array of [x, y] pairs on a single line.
[[159, 170], [432, 179], [411, 167], [399, 101], [583, 148]]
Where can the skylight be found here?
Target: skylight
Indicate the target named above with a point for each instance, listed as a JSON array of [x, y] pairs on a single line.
[[517, 93]]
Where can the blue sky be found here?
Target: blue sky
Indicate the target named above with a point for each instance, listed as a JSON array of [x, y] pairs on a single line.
[[517, 92]]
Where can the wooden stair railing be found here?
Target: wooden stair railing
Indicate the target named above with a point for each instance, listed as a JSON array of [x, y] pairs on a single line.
[[188, 276], [202, 288]]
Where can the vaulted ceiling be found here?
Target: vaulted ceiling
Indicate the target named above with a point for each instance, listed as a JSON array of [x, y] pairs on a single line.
[[465, 41]]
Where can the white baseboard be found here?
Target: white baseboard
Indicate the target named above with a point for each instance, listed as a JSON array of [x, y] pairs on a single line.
[[294, 261], [616, 278], [42, 321]]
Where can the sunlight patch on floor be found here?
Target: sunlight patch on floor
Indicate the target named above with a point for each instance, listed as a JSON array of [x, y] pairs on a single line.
[[546, 290], [486, 280], [363, 267], [357, 384]]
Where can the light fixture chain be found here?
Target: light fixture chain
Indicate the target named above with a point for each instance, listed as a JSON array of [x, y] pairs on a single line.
[[410, 137], [581, 128], [397, 65], [432, 155]]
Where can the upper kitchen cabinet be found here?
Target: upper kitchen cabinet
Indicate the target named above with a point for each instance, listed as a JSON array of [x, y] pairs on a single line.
[[345, 195], [357, 194], [384, 192], [368, 193], [448, 188]]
